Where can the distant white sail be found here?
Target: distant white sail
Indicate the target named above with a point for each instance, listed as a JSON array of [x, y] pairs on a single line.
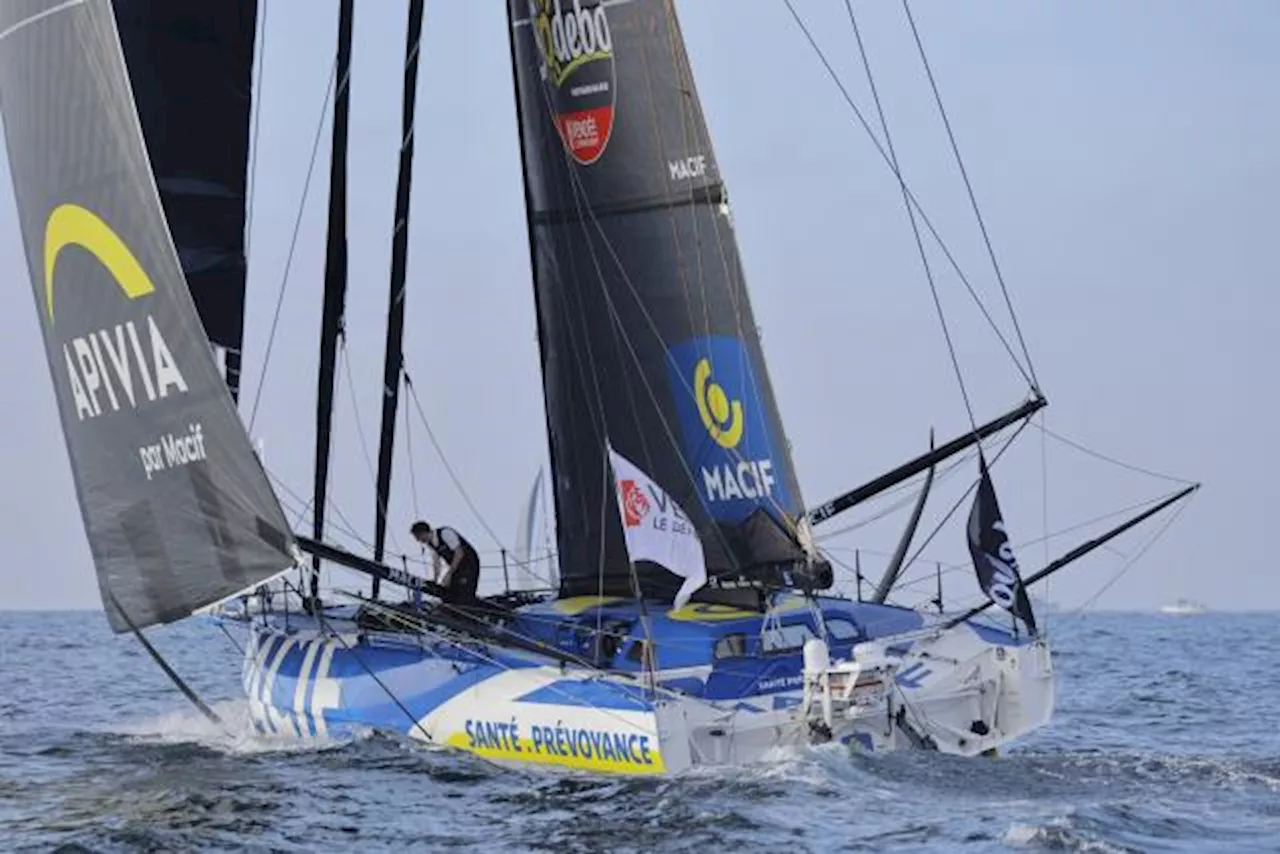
[[533, 565]]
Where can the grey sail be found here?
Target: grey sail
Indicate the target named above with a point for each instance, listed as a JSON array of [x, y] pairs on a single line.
[[176, 507]]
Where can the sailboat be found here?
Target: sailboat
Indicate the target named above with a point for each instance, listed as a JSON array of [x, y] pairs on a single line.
[[691, 622], [1183, 607]]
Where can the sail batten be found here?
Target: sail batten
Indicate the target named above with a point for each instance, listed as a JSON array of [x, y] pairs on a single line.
[[646, 329], [174, 502]]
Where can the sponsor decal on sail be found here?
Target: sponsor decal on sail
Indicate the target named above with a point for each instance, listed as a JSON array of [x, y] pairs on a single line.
[[125, 366], [993, 559], [725, 434], [576, 48]]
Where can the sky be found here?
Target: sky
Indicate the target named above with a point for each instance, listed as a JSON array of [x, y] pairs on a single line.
[[1125, 159]]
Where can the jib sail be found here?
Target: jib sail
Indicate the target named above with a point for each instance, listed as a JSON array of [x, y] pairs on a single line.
[[176, 507], [191, 68], [647, 335]]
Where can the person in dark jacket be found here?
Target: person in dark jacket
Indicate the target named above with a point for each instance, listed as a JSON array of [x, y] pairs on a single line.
[[463, 574]]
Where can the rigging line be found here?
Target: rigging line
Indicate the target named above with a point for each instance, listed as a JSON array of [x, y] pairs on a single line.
[[1044, 494], [924, 217], [453, 476], [950, 469], [973, 199], [580, 192], [1128, 564], [344, 528], [408, 450], [483, 652], [585, 211], [329, 92], [159, 660], [915, 227], [235, 643], [260, 72], [1108, 459], [364, 442], [959, 501], [414, 722], [604, 505], [583, 206], [721, 219]]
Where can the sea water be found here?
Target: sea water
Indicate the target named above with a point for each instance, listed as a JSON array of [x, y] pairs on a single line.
[[1166, 738]]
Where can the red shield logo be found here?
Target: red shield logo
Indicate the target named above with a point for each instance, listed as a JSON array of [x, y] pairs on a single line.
[[635, 506], [577, 65]]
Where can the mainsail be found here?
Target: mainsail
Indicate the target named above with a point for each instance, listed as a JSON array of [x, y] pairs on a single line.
[[191, 68], [647, 335], [176, 507]]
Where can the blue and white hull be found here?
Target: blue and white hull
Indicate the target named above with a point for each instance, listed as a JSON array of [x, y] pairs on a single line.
[[962, 690]]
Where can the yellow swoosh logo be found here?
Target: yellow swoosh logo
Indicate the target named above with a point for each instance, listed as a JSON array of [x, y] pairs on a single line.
[[70, 225]]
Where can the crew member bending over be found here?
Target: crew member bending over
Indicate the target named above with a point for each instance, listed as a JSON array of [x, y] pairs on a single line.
[[463, 575]]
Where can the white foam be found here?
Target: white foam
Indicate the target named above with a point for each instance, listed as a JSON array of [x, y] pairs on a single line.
[[236, 734]]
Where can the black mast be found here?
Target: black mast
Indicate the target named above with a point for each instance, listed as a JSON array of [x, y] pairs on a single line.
[[394, 361], [335, 278]]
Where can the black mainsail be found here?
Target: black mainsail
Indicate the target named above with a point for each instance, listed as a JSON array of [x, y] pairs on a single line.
[[191, 68], [176, 507], [646, 329]]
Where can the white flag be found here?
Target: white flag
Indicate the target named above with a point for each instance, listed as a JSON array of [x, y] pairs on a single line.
[[656, 528]]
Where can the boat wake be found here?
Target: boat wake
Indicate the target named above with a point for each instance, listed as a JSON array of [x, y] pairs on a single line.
[[234, 736]]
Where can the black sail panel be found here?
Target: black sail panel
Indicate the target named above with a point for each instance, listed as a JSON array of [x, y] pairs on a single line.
[[646, 328], [191, 67], [177, 509]]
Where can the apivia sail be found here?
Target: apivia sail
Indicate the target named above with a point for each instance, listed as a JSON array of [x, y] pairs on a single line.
[[176, 507], [646, 330], [191, 68]]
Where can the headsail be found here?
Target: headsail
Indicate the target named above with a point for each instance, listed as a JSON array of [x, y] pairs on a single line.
[[191, 68], [645, 326], [177, 509], [534, 551]]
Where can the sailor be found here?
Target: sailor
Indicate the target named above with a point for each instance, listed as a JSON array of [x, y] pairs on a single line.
[[463, 575]]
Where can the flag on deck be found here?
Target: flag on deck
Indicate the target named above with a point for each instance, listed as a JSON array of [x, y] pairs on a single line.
[[656, 528]]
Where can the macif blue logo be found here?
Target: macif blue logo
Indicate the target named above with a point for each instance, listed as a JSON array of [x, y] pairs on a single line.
[[725, 429]]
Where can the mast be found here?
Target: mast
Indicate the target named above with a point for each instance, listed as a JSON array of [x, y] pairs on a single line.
[[191, 70], [646, 330], [393, 363], [335, 279]]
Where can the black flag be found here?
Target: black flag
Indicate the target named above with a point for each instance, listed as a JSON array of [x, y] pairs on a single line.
[[992, 555]]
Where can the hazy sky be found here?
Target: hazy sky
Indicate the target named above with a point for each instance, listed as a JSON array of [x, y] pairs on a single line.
[[1125, 156]]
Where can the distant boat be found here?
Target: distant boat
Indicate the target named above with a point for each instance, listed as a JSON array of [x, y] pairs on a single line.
[[1183, 607]]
